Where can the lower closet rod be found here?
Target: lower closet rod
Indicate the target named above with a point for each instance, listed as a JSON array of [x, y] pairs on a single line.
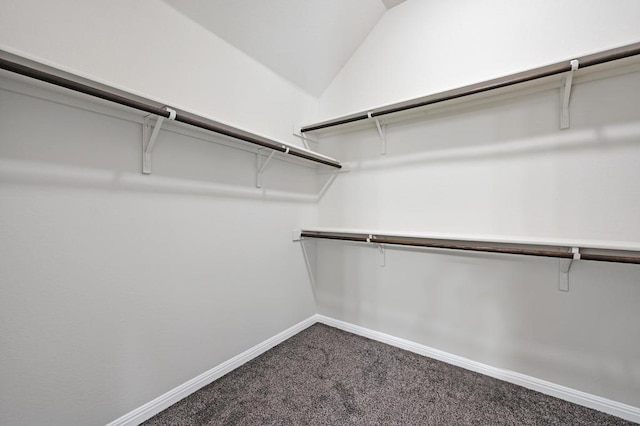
[[142, 105], [472, 246]]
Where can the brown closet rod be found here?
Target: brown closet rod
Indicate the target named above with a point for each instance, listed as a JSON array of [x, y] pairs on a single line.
[[471, 246], [69, 81], [510, 80]]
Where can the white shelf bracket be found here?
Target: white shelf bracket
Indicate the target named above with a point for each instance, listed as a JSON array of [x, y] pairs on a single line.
[[297, 237], [326, 185], [565, 94], [260, 166], [332, 177], [382, 132], [565, 267], [303, 137], [150, 130], [383, 257], [305, 142]]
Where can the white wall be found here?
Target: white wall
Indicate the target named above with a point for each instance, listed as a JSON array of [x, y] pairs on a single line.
[[500, 169], [117, 287], [147, 47], [422, 47]]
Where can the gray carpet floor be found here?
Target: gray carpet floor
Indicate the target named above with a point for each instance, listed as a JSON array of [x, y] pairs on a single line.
[[324, 376]]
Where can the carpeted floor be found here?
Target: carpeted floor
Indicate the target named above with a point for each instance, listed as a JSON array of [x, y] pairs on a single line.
[[324, 376]]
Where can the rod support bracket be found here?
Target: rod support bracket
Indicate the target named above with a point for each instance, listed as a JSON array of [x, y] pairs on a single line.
[[382, 132], [383, 256], [565, 94], [261, 166], [150, 130], [297, 132], [565, 267], [311, 264]]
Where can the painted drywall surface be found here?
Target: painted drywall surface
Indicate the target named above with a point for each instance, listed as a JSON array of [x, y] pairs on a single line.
[[502, 311], [422, 47], [117, 287], [149, 48], [499, 169], [306, 42]]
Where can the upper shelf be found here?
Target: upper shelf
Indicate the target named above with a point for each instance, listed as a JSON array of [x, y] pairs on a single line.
[[478, 88], [73, 82]]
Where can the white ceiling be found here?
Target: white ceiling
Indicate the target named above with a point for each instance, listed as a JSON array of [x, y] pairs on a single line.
[[305, 41]]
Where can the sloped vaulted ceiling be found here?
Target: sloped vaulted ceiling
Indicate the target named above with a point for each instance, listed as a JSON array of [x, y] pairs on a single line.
[[305, 41]]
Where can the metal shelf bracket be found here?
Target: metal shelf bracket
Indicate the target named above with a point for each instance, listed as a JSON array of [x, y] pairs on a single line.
[[297, 237], [332, 177], [150, 130], [261, 166], [565, 267], [303, 137], [382, 132], [383, 256], [565, 94], [305, 141]]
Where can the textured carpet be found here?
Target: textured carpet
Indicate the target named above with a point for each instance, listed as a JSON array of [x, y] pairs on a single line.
[[324, 376]]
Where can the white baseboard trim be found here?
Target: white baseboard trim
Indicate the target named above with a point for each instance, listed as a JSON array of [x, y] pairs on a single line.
[[152, 408], [608, 406]]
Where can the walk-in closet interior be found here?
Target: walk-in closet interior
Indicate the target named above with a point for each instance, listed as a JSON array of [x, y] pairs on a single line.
[[187, 187]]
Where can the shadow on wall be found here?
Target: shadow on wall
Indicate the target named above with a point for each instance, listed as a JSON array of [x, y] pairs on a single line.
[[46, 141]]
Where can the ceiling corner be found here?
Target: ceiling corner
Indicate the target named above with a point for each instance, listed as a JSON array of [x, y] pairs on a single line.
[[391, 3]]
